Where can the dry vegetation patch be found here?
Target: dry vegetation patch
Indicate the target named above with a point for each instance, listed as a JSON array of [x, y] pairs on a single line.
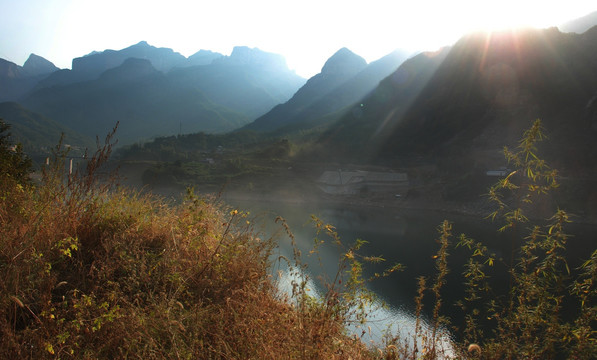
[[94, 271]]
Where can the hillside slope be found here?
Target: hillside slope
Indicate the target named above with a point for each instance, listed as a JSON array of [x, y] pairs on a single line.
[[338, 69], [487, 89], [37, 133]]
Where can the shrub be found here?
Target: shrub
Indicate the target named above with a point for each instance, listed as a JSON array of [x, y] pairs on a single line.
[[92, 270], [15, 166]]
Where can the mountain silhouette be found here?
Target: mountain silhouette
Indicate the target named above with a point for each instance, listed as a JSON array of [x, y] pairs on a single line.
[[37, 65], [361, 128], [163, 59], [220, 96], [203, 57], [90, 66], [479, 97], [581, 24], [337, 102], [341, 67], [249, 81], [141, 98], [16, 81]]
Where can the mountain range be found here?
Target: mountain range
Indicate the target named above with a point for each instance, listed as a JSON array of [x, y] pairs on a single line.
[[480, 94], [155, 91], [456, 107], [450, 113], [90, 66]]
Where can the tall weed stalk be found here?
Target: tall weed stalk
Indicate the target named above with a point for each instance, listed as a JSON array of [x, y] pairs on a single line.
[[527, 322]]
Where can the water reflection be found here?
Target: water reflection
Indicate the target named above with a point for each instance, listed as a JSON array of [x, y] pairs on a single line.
[[407, 237], [383, 320], [389, 234]]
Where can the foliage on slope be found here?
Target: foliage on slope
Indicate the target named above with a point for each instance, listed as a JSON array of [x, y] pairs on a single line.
[[37, 133]]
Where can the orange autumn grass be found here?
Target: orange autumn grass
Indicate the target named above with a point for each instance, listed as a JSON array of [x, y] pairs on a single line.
[[93, 271]]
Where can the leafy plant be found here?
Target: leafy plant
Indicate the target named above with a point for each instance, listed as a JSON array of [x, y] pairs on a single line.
[[528, 321]]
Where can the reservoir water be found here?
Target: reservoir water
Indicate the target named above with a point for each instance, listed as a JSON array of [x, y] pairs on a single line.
[[402, 236]]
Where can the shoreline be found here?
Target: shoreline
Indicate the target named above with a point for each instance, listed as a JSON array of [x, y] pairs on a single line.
[[303, 193], [479, 209]]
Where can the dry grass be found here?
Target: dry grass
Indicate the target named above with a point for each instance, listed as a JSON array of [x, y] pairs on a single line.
[[93, 271]]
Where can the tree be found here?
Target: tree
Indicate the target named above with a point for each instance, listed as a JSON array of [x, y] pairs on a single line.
[[14, 164]]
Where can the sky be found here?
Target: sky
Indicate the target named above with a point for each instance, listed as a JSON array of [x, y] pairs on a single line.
[[305, 32]]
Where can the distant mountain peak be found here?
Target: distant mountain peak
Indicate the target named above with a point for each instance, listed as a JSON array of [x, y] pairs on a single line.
[[163, 59], [254, 56], [9, 70], [203, 57], [343, 62], [37, 65], [344, 51]]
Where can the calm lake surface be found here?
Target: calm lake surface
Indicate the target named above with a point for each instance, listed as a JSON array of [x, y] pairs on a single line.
[[402, 236]]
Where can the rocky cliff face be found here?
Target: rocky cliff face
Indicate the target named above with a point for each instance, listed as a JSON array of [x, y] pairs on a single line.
[[9, 69]]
